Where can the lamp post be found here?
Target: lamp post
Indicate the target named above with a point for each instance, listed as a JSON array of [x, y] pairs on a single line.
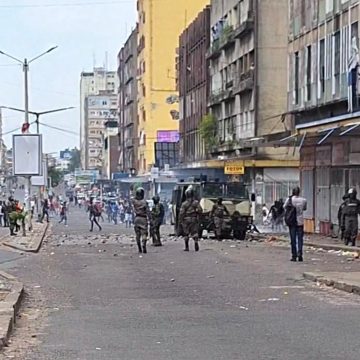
[[25, 128]]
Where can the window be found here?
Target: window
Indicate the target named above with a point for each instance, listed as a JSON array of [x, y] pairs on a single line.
[[296, 77], [322, 66], [337, 61], [308, 73]]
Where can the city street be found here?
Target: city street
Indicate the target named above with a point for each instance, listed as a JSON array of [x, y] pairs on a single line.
[[91, 296]]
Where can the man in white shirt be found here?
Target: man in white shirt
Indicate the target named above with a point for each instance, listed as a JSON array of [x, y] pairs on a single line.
[[294, 207]]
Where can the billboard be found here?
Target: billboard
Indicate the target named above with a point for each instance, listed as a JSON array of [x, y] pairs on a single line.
[[168, 136], [27, 155]]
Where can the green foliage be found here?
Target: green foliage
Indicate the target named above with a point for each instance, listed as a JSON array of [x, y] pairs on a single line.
[[55, 175], [208, 129], [75, 162]]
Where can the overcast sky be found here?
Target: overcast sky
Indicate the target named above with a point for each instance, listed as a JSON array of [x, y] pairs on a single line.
[[84, 33]]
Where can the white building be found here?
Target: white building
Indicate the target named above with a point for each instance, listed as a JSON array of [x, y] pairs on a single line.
[[62, 164], [93, 83], [99, 109]]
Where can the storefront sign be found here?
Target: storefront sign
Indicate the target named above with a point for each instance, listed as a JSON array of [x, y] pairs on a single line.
[[234, 168]]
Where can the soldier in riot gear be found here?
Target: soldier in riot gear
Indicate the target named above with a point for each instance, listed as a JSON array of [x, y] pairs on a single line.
[[142, 219], [340, 217], [189, 217], [157, 218], [350, 214], [217, 214]]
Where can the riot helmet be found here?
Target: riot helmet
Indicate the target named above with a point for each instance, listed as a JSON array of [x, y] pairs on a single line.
[[156, 199], [140, 193]]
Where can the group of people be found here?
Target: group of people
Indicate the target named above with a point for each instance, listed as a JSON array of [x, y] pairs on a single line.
[[11, 213], [275, 216], [145, 219]]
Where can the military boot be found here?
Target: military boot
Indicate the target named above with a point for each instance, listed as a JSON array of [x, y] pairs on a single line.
[[186, 245], [197, 248], [139, 247]]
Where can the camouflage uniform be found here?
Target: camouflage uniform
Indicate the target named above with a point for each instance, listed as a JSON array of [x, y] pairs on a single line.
[[141, 222], [189, 219], [217, 214], [350, 214], [157, 217]]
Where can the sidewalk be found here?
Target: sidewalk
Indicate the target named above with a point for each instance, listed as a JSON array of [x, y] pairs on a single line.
[[30, 243], [345, 281], [11, 292], [311, 240]]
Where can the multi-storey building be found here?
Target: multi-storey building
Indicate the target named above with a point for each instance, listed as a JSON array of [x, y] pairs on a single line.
[[127, 104], [91, 83], [99, 109], [158, 39], [193, 82], [323, 95], [110, 154], [248, 75]]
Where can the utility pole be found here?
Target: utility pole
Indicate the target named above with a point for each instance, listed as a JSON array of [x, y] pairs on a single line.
[[25, 128]]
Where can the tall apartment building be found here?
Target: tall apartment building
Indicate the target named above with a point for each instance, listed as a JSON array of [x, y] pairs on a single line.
[[127, 104], [323, 95], [99, 109], [248, 75], [193, 82], [92, 83], [160, 24]]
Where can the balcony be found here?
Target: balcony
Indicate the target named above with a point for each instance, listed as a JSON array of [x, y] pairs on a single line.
[[218, 96], [225, 40], [246, 26], [244, 83]]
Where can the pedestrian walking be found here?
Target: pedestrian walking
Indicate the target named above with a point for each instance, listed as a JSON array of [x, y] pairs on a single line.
[[128, 215], [63, 214], [142, 219], [189, 218], [93, 215], [350, 214], [294, 208], [45, 211], [157, 218], [217, 214]]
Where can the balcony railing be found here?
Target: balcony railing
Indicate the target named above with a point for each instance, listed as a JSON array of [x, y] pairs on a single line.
[[244, 83], [218, 96], [225, 40], [246, 26]]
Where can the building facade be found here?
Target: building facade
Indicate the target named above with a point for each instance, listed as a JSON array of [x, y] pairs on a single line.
[[323, 96], [158, 38], [193, 83], [248, 96], [127, 104], [92, 83], [110, 154], [99, 109]]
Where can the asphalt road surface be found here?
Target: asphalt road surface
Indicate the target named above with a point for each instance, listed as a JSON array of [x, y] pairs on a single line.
[[91, 296]]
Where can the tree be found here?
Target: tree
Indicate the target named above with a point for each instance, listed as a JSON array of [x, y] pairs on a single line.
[[55, 175], [208, 130], [75, 161]]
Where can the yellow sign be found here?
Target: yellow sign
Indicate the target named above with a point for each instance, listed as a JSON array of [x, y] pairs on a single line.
[[234, 169]]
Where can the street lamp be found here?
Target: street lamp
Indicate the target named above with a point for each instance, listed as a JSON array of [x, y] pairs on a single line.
[[25, 128]]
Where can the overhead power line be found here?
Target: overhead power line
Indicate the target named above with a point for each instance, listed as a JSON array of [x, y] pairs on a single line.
[[77, 4]]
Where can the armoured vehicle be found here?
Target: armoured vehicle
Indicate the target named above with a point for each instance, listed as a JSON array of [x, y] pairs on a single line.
[[235, 197]]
